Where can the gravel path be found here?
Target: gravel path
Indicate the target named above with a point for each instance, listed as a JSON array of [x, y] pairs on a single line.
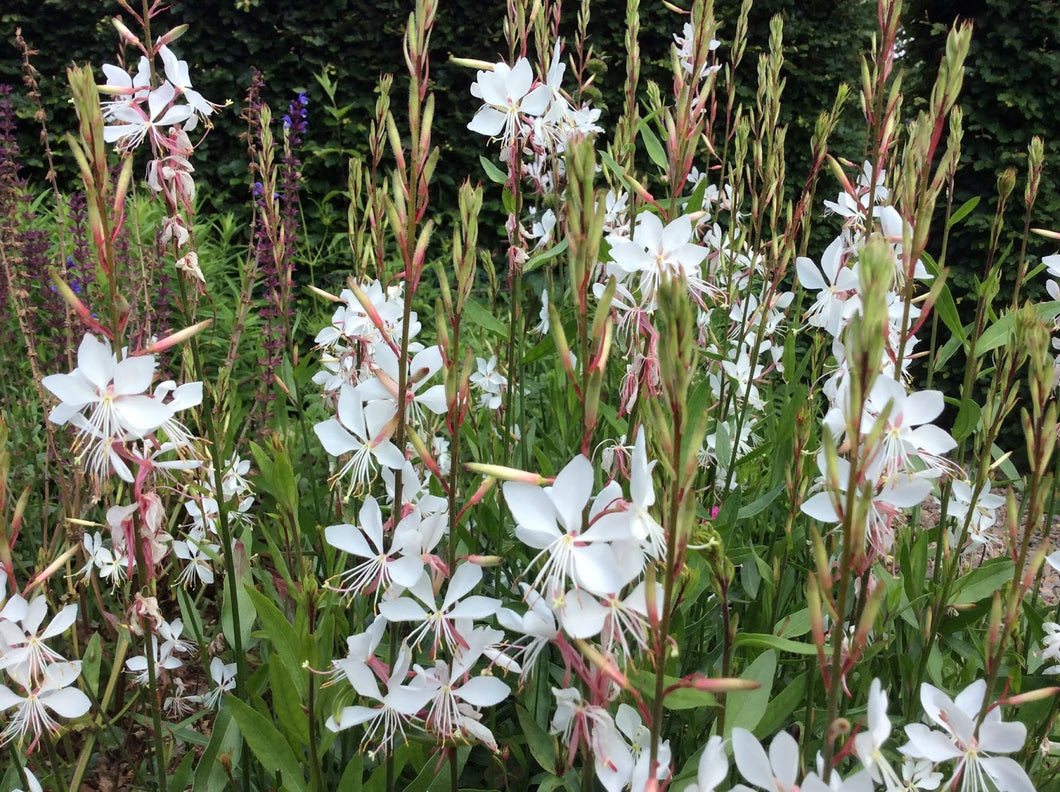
[[1049, 590]]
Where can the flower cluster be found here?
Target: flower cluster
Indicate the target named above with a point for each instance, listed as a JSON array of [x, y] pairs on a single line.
[[141, 111], [43, 679], [900, 452]]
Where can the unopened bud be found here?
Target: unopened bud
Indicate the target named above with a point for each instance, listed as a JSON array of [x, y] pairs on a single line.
[[127, 34], [163, 344], [506, 473], [1030, 695], [485, 560]]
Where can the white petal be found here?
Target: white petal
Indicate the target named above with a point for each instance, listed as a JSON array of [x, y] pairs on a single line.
[[596, 571], [784, 757], [403, 609], [348, 539], [751, 759], [1007, 774], [570, 492], [72, 389], [133, 375], [484, 691], [96, 361], [68, 702], [465, 578], [1002, 737], [488, 121], [61, 623], [335, 439], [821, 507], [533, 510], [583, 616]]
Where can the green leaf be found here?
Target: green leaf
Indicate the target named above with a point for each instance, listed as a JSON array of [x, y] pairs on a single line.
[[786, 702], [689, 698], [745, 708], [967, 419], [537, 740], [541, 258], [551, 783], [268, 745], [654, 148], [493, 173], [981, 583], [609, 162], [91, 659], [287, 704], [224, 743], [242, 584], [767, 641], [284, 487], [284, 639], [794, 624], [945, 306], [484, 319], [962, 212], [182, 775], [947, 350], [351, 776], [759, 503]]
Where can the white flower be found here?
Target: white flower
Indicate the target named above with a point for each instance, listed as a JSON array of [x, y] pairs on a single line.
[[490, 381], [164, 658], [620, 766], [358, 430], [506, 93], [980, 512], [713, 767], [224, 679], [656, 253], [1051, 647], [686, 44], [538, 624], [908, 433], [396, 709], [105, 399], [444, 621], [867, 744], [51, 692], [22, 648], [582, 556], [453, 694], [399, 564], [31, 781], [177, 74], [383, 386], [776, 772], [643, 526], [542, 325], [134, 123], [198, 554], [970, 746], [836, 285]]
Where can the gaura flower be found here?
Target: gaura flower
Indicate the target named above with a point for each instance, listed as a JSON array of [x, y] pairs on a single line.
[[106, 401], [967, 742], [506, 93], [52, 692]]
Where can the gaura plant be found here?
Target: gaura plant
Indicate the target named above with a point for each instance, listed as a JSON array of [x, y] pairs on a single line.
[[642, 508]]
